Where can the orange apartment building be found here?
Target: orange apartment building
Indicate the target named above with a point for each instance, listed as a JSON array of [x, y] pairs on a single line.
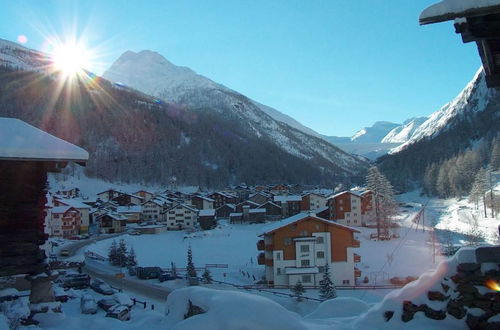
[[299, 248]]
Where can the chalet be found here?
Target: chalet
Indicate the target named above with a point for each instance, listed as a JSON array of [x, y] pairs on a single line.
[[290, 204], [220, 198], [206, 219], [345, 208], [312, 201], [273, 211], [65, 221], [112, 222], [153, 208], [236, 217], [108, 195], [133, 213], [242, 192], [68, 193], [323, 212], [201, 202], [83, 208], [125, 199], [279, 189], [180, 216], [476, 21], [224, 211], [144, 194], [260, 197], [250, 204], [254, 215], [300, 247]]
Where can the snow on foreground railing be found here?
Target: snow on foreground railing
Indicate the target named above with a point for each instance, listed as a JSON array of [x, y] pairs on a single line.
[[441, 296]]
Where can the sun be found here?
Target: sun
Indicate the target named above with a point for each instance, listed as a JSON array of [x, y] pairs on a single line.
[[70, 59]]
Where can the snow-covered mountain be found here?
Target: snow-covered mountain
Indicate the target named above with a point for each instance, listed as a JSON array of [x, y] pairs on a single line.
[[474, 98], [374, 133], [404, 132], [151, 73], [17, 56]]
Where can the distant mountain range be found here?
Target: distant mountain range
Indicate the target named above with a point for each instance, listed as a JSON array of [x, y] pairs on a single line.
[[156, 120]]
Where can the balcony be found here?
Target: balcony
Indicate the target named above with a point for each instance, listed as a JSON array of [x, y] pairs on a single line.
[[269, 247], [357, 258], [270, 262], [357, 272], [261, 259], [260, 245], [355, 243]]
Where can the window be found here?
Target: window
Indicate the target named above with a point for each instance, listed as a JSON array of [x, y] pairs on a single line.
[[320, 240], [321, 269], [317, 227], [278, 271], [304, 248], [287, 241], [187, 224], [355, 221], [171, 212], [320, 254], [354, 207], [304, 233], [341, 208], [278, 256], [306, 278], [345, 282], [304, 263]]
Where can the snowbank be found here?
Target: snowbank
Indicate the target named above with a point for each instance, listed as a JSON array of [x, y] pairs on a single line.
[[339, 307], [228, 310], [416, 292]]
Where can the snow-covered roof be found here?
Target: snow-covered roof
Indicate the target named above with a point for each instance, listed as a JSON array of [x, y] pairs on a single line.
[[129, 209], [235, 214], [301, 270], [344, 192], [270, 203], [73, 202], [21, 141], [450, 9], [208, 199], [60, 209], [206, 213], [257, 211], [290, 198], [300, 216]]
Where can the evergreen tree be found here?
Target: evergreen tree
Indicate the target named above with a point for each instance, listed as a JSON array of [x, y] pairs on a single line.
[[327, 289], [207, 276], [121, 254], [479, 188], [495, 154], [113, 253], [383, 198], [298, 290], [131, 258], [191, 271]]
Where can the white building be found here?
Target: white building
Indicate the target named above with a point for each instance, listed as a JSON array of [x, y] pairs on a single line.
[[180, 216]]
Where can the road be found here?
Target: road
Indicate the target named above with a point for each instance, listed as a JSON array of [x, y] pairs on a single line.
[[143, 288], [74, 247]]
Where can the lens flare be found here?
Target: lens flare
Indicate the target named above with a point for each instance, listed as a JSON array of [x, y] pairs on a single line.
[[22, 39], [493, 285]]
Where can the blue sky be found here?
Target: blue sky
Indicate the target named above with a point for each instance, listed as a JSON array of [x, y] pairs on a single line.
[[335, 66]]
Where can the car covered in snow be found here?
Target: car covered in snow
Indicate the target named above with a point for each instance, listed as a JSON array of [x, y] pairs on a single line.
[[107, 303], [123, 299], [101, 287], [75, 281], [88, 304], [120, 312]]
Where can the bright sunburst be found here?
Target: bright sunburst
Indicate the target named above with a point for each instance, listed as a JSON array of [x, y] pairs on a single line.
[[71, 59]]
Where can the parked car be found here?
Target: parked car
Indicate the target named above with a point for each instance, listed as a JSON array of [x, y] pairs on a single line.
[[60, 294], [101, 287], [146, 273], [75, 281], [88, 304], [167, 276], [64, 253], [120, 312], [107, 303], [135, 233], [123, 299]]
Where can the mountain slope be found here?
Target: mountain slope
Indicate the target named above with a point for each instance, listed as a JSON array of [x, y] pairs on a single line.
[[133, 137], [151, 73], [404, 132], [471, 117]]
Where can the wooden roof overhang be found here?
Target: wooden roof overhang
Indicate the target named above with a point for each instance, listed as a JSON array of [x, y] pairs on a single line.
[[479, 25]]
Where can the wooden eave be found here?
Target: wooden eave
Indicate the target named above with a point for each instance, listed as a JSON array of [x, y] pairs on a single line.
[[466, 13]]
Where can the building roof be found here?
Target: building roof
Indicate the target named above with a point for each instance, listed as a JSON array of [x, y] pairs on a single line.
[[302, 216], [270, 203], [129, 209], [61, 209], [257, 211], [301, 270], [21, 141], [207, 213], [208, 199], [344, 192], [289, 198], [73, 202], [183, 206], [451, 9]]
